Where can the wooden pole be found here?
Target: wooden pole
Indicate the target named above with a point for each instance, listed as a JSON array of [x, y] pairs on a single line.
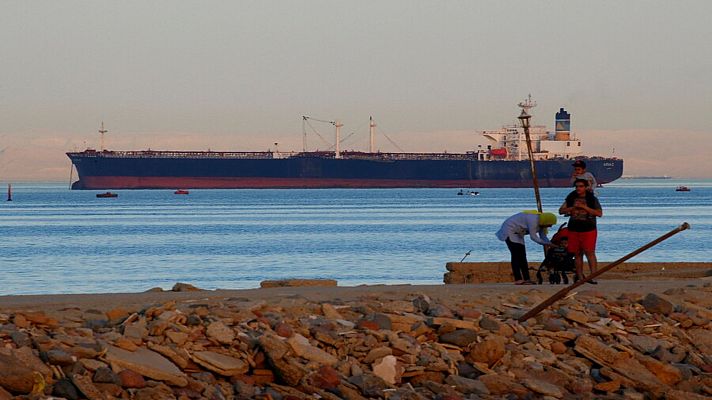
[[561, 293], [532, 166]]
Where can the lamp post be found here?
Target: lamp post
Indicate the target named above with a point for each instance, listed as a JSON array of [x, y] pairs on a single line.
[[524, 118]]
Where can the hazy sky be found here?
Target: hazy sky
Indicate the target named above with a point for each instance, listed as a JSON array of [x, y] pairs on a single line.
[[636, 75]]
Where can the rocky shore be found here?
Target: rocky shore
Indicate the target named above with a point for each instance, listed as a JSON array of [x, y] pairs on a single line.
[[616, 340]]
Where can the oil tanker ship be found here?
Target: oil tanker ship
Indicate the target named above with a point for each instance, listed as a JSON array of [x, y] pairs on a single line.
[[503, 162]]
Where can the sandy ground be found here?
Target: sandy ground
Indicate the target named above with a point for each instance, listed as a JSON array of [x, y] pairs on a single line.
[[640, 278], [443, 293]]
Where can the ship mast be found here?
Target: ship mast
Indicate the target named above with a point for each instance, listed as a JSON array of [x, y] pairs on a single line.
[[526, 106], [337, 149], [102, 131], [371, 134]]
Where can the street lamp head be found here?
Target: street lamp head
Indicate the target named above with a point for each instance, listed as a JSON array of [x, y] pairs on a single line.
[[524, 118]]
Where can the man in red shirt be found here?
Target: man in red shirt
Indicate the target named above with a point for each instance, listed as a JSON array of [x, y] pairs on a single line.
[[583, 208]]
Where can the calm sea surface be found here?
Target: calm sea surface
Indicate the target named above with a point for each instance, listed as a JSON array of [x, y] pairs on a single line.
[[53, 240]]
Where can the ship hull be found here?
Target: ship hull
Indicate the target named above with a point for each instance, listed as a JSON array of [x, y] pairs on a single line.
[[97, 171]]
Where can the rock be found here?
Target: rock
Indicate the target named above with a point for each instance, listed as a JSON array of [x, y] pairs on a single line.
[[298, 283], [330, 311], [502, 385], [15, 376], [20, 338], [459, 337], [521, 338], [490, 324], [60, 357], [178, 338], [381, 321], [387, 370], [573, 315], [131, 380], [488, 351], [326, 378], [221, 333], [370, 385], [276, 349], [117, 315], [159, 392], [667, 356], [702, 339], [554, 325], [244, 390], [220, 363], [655, 304], [106, 375], [65, 388], [543, 387], [644, 344], [303, 348], [468, 313], [439, 310], [610, 386], [628, 367], [37, 318], [185, 287], [147, 363], [375, 354], [289, 371], [558, 348], [283, 330], [136, 330], [27, 358], [664, 371], [467, 386], [85, 385], [422, 303]]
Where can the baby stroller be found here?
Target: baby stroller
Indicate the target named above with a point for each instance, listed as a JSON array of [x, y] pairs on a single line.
[[558, 261]]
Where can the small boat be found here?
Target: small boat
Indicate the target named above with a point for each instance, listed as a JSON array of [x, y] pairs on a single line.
[[682, 189], [460, 193], [181, 191], [107, 194], [474, 193]]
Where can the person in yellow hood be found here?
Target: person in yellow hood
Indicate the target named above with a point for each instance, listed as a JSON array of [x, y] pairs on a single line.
[[512, 232]]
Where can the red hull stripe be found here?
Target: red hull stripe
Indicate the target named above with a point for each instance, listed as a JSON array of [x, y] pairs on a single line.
[[156, 182]]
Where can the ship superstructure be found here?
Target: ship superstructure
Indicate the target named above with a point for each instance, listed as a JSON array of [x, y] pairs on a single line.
[[508, 142]]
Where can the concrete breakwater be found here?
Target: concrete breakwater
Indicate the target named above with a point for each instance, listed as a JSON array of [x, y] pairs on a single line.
[[394, 342], [492, 272]]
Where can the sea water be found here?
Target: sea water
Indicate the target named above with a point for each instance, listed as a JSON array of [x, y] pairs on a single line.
[[53, 240]]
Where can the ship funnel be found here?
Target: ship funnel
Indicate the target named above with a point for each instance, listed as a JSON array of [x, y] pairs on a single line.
[[563, 125]]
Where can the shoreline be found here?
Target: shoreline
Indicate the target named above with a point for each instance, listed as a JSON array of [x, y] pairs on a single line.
[[443, 292], [481, 274]]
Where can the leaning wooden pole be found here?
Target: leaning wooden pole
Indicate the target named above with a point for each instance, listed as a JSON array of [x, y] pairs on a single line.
[[532, 167], [561, 293]]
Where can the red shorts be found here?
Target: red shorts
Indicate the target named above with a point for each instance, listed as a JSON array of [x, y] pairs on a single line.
[[582, 241]]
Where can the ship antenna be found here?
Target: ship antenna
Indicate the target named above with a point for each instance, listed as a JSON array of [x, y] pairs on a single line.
[[527, 104], [102, 131]]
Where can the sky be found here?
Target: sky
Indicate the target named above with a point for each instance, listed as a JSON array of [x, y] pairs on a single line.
[[226, 75]]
